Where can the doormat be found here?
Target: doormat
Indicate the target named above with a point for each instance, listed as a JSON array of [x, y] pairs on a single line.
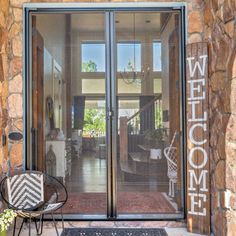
[[113, 232]]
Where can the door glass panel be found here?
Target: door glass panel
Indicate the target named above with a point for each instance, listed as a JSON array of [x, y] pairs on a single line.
[[148, 158], [68, 109], [69, 106]]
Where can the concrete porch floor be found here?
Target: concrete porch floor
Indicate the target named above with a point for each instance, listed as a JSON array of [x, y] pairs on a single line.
[[173, 228]]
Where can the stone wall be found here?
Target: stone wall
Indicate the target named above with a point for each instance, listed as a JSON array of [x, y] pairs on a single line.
[[212, 21], [4, 68], [10, 82], [220, 33]]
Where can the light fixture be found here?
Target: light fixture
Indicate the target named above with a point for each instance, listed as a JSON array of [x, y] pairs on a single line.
[[132, 76]]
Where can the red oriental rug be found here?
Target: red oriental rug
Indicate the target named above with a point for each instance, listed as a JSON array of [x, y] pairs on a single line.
[[128, 202]]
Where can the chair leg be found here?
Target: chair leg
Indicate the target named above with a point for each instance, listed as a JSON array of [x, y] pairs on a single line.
[[41, 225], [14, 229], [55, 225], [23, 221], [62, 219], [38, 226], [30, 226]]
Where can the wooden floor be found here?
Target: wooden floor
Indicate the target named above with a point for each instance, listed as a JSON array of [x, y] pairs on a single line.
[[89, 174], [88, 182]]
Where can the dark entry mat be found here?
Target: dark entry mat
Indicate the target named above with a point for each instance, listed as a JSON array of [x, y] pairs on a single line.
[[113, 232]]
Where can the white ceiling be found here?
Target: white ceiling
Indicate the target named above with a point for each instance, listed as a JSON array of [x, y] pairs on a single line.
[[144, 21]]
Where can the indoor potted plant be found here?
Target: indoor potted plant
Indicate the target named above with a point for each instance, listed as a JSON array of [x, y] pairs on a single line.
[[155, 140], [6, 219]]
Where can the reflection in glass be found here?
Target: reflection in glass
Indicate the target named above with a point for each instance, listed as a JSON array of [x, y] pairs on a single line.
[[69, 116]]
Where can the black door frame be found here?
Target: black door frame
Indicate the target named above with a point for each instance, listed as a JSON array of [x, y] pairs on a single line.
[[109, 9]]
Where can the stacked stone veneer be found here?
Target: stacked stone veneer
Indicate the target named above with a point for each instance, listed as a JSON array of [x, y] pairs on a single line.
[[10, 82], [211, 21], [220, 32]]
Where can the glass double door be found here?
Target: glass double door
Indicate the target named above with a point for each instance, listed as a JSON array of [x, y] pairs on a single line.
[[105, 110]]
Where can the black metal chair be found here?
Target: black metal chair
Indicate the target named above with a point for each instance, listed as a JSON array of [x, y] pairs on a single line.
[[32, 195]]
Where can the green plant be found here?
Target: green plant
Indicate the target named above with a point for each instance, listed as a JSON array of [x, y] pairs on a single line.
[[94, 121], [89, 66], [6, 218], [158, 117], [155, 137]]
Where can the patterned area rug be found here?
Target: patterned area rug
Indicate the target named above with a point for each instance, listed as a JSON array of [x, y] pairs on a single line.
[[113, 232], [135, 202]]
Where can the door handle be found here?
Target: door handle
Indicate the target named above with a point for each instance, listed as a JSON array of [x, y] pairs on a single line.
[[110, 114], [34, 148]]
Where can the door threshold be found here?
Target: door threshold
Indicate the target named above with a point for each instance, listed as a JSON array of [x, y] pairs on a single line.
[[123, 224], [124, 217]]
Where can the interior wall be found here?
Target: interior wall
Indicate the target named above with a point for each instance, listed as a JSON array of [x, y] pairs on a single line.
[[48, 73], [52, 29]]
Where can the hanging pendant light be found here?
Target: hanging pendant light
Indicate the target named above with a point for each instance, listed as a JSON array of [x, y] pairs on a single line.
[[133, 76]]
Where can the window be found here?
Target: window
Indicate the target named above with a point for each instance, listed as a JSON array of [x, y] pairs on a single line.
[[156, 46], [93, 60], [93, 57], [129, 56]]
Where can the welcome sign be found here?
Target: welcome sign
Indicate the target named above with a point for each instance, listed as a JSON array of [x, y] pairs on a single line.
[[198, 202]]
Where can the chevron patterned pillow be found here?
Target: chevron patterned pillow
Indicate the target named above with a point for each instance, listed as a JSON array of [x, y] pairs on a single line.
[[26, 191]]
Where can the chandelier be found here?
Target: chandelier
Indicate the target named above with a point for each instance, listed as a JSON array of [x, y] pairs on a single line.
[[132, 76]]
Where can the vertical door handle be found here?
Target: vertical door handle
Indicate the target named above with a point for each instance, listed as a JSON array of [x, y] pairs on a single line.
[[34, 148]]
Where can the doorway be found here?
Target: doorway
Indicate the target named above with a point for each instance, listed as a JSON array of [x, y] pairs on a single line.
[[106, 109]]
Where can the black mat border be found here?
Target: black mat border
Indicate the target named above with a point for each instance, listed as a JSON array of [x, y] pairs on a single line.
[[96, 231]]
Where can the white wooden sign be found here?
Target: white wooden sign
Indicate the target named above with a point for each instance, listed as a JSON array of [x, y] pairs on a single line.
[[198, 212]]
